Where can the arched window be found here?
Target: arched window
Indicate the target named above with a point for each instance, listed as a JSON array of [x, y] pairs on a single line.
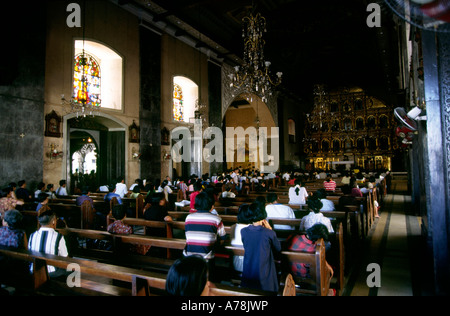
[[185, 93], [103, 69], [359, 123], [371, 122], [336, 145], [384, 143], [291, 131], [360, 144], [325, 146], [384, 121]]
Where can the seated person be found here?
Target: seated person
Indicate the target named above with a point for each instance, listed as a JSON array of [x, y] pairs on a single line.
[[7, 202], [297, 194], [118, 227], [84, 197], [10, 233], [315, 216], [327, 205], [277, 210], [188, 276], [42, 200], [329, 184], [112, 194], [40, 189], [55, 245], [227, 193], [155, 208], [202, 228], [22, 192], [307, 243]]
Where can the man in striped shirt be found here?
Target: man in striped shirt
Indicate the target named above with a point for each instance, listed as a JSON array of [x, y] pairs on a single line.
[[49, 241], [202, 228]]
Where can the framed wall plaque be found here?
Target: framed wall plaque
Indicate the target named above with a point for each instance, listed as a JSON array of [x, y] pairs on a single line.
[[53, 125]]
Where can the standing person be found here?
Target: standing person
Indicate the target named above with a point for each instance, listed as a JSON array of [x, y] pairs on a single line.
[[48, 240], [261, 245], [277, 210], [298, 194]]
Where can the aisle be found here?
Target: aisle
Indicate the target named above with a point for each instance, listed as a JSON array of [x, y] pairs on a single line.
[[388, 246]]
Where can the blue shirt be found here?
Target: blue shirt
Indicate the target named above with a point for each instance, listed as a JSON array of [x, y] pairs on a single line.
[[109, 196]]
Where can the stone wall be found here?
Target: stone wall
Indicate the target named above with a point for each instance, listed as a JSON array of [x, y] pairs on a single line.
[[22, 95]]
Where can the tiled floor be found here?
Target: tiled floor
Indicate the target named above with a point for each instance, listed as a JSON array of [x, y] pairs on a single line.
[[389, 245]]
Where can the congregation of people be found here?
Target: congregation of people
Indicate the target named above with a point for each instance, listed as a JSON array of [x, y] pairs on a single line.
[[204, 228]]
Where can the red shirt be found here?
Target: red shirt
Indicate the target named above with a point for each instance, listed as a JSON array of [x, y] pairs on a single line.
[[302, 244], [192, 198], [329, 186]]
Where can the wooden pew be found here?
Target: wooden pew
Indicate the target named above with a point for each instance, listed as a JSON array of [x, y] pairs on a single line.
[[140, 282], [179, 244], [317, 260]]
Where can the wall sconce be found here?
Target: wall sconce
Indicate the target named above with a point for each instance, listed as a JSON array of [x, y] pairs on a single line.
[[135, 154], [54, 153], [166, 155]]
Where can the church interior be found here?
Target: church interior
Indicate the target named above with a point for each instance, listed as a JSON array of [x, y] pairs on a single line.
[[95, 90]]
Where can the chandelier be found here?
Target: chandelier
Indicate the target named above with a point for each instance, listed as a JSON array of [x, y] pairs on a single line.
[[86, 80], [320, 117], [254, 76], [86, 94]]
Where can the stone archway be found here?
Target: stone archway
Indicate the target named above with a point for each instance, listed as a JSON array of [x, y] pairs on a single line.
[[109, 135], [248, 112]]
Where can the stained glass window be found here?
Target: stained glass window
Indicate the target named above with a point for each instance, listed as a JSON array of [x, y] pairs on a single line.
[[178, 110], [86, 81]]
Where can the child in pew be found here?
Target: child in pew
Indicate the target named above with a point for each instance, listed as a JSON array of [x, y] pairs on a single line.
[[42, 200], [307, 243], [188, 276], [120, 228], [261, 246]]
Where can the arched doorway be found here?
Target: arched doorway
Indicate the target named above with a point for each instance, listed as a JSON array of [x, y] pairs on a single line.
[[96, 146], [83, 154], [249, 112]]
